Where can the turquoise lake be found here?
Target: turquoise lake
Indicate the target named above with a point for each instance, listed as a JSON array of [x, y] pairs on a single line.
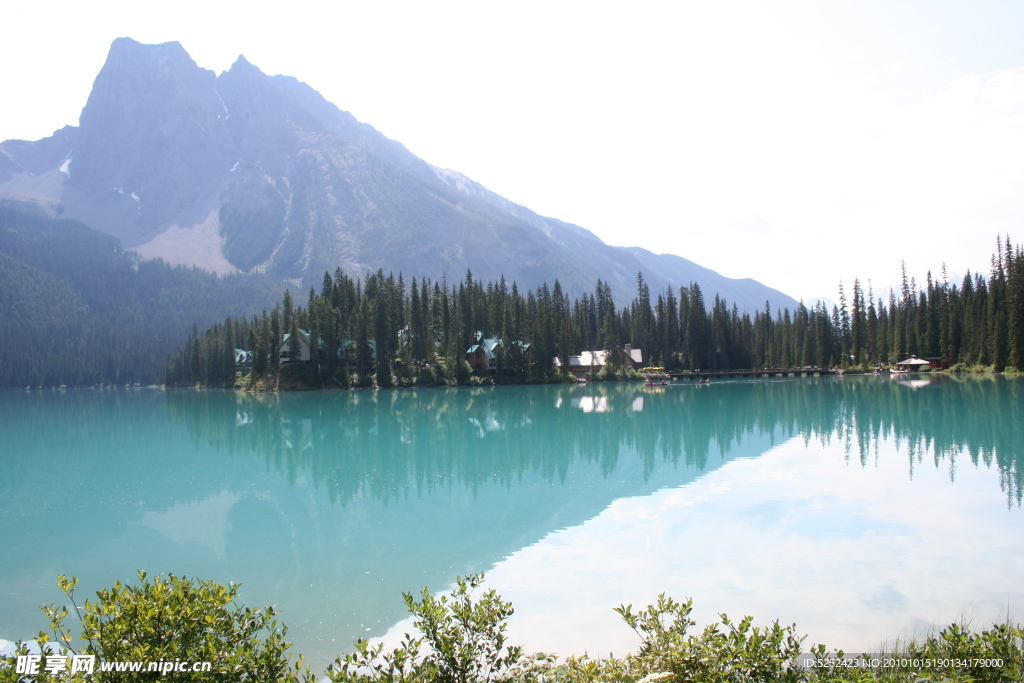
[[859, 508]]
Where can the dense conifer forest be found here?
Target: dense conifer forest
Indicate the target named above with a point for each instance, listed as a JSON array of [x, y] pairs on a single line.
[[77, 310], [382, 329]]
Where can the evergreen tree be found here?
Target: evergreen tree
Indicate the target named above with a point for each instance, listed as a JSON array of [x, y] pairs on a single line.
[[275, 341]]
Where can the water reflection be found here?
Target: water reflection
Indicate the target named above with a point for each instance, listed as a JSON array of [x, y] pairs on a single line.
[[331, 504], [383, 443], [852, 555]]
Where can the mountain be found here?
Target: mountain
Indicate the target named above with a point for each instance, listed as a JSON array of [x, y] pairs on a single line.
[[77, 309], [256, 173]]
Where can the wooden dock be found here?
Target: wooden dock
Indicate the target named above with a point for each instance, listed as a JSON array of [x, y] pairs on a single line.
[[769, 372]]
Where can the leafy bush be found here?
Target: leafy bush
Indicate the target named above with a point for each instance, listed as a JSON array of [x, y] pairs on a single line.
[[172, 619], [462, 372], [737, 652], [465, 643], [976, 368], [462, 639], [440, 374]]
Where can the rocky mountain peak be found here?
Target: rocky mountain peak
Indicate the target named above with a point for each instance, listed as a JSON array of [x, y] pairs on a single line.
[[128, 51], [242, 64], [258, 109], [245, 171], [151, 135], [137, 80]]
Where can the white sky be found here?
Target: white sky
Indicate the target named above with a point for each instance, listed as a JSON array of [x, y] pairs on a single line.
[[799, 143]]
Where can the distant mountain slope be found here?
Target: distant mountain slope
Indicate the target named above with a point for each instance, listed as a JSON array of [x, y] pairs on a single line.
[[76, 309], [257, 173]]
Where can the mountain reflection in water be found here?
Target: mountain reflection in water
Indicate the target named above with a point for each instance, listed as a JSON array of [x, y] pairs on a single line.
[[329, 504]]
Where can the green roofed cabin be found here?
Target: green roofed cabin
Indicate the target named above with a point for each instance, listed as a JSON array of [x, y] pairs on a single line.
[[483, 355], [303, 347]]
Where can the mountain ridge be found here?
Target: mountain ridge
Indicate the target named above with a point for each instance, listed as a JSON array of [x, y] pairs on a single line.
[[178, 162]]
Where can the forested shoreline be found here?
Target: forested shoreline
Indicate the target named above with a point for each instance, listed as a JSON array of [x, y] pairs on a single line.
[[379, 330], [78, 310]]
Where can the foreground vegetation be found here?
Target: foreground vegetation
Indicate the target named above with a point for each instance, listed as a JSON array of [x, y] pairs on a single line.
[[381, 331], [462, 639]]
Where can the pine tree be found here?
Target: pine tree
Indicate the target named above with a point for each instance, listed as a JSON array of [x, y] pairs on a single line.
[[417, 326], [275, 341], [289, 311], [697, 343], [381, 328]]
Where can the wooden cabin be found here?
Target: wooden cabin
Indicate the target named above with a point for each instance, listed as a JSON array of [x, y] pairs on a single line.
[[912, 364]]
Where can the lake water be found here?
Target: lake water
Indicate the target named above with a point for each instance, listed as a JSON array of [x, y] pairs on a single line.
[[860, 508]]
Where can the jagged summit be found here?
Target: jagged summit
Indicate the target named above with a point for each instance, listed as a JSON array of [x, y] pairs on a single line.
[[151, 138], [245, 171], [125, 50], [241, 62]]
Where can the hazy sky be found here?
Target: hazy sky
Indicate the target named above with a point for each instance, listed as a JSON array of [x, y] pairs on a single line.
[[798, 143]]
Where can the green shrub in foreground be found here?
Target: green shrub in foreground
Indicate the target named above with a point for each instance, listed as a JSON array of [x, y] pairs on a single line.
[[462, 639], [169, 619]]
